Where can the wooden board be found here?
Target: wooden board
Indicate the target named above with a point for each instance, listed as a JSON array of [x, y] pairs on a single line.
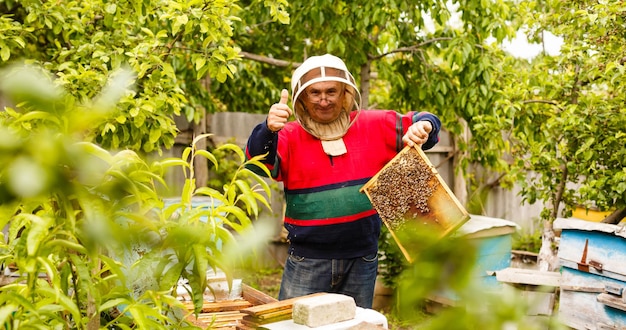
[[579, 306], [244, 327], [537, 288], [277, 311], [612, 301], [408, 192], [217, 320], [275, 306], [529, 277], [220, 306], [251, 321], [256, 297], [227, 315]]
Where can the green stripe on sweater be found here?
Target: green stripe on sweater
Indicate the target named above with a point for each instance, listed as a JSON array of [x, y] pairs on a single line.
[[327, 204]]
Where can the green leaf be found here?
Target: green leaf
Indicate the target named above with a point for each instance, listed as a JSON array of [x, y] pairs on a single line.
[[172, 162], [171, 276], [179, 21], [112, 303], [7, 312], [200, 62], [38, 232], [39, 115], [112, 265], [201, 262], [208, 156], [19, 41], [61, 299], [5, 53], [75, 247], [235, 148], [50, 269], [154, 136], [147, 31], [185, 155], [237, 212], [210, 192], [188, 188], [95, 151]]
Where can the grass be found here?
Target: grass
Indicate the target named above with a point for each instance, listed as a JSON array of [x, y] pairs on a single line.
[[266, 280]]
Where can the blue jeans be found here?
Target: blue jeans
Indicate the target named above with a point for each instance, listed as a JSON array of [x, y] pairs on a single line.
[[353, 277]]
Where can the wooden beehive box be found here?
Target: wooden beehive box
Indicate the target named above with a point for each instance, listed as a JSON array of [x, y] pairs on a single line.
[[493, 240], [592, 257], [408, 192]]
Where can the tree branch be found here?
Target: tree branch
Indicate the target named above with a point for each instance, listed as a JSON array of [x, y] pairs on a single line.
[[269, 60], [283, 63], [413, 48], [559, 194], [576, 86], [410, 48], [615, 217], [544, 102]]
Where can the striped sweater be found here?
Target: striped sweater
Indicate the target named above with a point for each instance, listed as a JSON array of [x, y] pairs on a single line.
[[326, 215]]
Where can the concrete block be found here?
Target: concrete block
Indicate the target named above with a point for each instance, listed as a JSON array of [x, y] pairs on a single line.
[[323, 310]]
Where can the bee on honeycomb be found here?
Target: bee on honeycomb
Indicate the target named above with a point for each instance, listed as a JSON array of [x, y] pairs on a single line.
[[403, 187]]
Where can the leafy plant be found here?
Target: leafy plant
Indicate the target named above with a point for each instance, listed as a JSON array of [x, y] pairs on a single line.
[[83, 222], [391, 262], [563, 114], [525, 240], [175, 48]]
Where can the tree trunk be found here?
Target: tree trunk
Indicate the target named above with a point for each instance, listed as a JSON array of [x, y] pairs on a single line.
[[92, 310], [615, 217], [365, 84], [460, 185], [547, 259], [201, 164]]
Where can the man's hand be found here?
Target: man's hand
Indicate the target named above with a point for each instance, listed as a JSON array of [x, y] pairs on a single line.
[[279, 113], [417, 134]]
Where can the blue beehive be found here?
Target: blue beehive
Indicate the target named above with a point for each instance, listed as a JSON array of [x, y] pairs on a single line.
[[592, 257], [493, 239]]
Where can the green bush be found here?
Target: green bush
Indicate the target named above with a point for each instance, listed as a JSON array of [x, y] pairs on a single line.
[[83, 224], [526, 240]]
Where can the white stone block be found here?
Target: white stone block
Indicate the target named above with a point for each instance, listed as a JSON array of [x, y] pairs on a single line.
[[324, 309]]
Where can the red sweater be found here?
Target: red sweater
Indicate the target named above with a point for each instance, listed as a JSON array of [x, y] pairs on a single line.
[[326, 215]]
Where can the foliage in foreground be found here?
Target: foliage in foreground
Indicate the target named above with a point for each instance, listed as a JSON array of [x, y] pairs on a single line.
[[449, 270], [86, 228]]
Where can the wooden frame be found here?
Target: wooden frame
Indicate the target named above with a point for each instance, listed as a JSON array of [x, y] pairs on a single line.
[[443, 213]]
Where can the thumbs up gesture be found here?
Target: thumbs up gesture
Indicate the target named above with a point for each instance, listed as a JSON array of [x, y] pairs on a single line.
[[279, 113]]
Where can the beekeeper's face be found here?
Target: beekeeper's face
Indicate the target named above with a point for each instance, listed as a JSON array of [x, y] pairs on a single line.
[[323, 100]]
